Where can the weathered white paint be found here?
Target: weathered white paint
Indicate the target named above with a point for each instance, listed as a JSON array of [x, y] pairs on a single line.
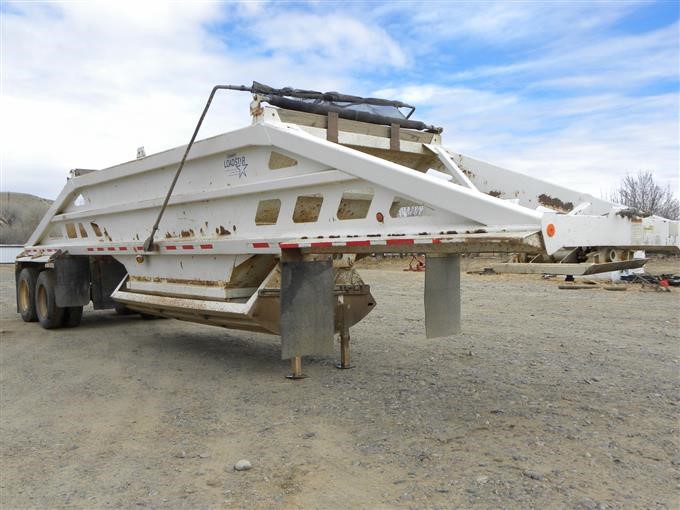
[[209, 226]]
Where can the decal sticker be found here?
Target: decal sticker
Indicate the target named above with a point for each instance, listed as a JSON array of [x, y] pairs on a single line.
[[236, 165]]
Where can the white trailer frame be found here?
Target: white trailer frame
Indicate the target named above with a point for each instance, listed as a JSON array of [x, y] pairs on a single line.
[[338, 188]]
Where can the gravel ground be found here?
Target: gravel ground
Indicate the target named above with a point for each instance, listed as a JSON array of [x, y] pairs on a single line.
[[549, 399]]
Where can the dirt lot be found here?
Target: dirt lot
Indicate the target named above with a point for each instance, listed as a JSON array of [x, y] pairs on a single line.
[[549, 399]]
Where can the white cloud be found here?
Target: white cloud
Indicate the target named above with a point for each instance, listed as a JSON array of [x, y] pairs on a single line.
[[502, 23], [587, 143], [85, 84], [619, 62], [341, 39], [578, 106]]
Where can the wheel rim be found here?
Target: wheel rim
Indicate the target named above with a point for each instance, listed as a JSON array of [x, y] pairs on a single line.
[[41, 301], [23, 295]]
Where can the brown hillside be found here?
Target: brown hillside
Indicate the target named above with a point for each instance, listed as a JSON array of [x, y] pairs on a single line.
[[20, 213]]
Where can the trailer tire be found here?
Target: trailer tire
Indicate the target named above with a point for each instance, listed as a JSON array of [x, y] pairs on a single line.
[[72, 316], [26, 294], [49, 314]]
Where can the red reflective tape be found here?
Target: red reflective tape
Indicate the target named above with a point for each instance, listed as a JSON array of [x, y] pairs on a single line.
[[358, 243], [399, 241], [206, 247], [139, 247], [111, 248], [90, 249], [289, 245], [260, 245], [187, 246], [100, 249], [322, 244], [171, 247], [436, 241], [122, 248]]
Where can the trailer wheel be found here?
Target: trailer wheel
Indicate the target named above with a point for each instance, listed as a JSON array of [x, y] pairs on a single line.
[[26, 294], [72, 316], [49, 314]]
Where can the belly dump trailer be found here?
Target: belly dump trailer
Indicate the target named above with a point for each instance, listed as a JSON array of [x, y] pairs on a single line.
[[258, 229]]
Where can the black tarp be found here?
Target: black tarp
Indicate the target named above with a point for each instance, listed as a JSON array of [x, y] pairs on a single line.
[[363, 109]]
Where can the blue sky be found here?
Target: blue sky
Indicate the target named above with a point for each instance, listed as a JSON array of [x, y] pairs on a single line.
[[577, 93]]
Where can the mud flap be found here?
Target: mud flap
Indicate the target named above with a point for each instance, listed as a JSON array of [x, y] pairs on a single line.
[[106, 274], [442, 295], [307, 308], [72, 281]]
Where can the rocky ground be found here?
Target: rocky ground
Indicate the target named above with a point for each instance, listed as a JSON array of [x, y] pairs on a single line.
[[549, 399]]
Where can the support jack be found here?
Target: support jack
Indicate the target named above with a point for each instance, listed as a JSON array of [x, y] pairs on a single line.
[[296, 369], [344, 350]]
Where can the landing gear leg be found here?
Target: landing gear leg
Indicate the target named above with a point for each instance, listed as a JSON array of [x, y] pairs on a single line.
[[296, 368], [344, 348]]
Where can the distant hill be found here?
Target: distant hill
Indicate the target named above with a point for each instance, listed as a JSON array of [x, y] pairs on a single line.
[[20, 213]]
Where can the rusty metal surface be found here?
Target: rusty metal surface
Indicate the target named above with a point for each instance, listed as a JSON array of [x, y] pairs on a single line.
[[307, 208], [182, 281], [252, 272], [353, 206], [262, 312], [278, 160], [353, 300], [356, 303], [554, 203], [267, 211], [530, 242], [574, 269]]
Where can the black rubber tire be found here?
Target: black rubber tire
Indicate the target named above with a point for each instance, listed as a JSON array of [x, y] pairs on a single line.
[[49, 314], [72, 316], [26, 294], [122, 309]]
